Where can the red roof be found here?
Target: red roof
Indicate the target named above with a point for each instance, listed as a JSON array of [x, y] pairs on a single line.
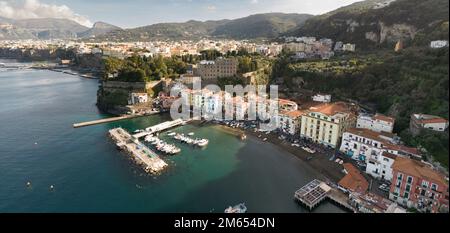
[[384, 118], [354, 181]]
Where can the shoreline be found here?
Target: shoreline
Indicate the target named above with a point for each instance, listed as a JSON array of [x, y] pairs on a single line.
[[320, 163]]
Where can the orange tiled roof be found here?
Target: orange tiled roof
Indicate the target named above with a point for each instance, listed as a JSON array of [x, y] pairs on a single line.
[[384, 118], [434, 121], [292, 114], [354, 181], [417, 169], [331, 109], [371, 134]]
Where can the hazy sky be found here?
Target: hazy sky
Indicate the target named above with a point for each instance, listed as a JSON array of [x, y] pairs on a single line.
[[133, 13]]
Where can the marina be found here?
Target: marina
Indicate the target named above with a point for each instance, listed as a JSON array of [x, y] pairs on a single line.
[[151, 162], [162, 146]]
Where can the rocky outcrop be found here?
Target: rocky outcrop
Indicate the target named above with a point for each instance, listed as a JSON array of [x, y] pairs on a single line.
[[373, 36], [396, 32]]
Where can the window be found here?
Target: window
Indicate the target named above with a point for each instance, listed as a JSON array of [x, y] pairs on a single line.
[[434, 187], [425, 184], [406, 195], [400, 177], [408, 187], [409, 180]]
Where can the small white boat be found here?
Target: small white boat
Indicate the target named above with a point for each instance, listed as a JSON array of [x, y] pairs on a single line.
[[202, 142], [172, 134], [239, 209], [191, 134]]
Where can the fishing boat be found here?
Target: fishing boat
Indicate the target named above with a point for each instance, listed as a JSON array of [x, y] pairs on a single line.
[[239, 209]]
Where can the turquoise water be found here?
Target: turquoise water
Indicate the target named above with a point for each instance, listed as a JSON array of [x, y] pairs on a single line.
[[38, 144]]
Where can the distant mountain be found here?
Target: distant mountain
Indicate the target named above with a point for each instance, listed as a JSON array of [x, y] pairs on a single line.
[[49, 28], [98, 29], [260, 25], [255, 26], [374, 22]]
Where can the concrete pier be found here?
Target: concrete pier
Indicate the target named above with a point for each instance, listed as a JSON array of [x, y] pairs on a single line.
[[151, 162], [112, 119]]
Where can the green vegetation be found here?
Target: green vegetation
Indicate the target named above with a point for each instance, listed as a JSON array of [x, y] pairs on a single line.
[[268, 25], [142, 69], [413, 81]]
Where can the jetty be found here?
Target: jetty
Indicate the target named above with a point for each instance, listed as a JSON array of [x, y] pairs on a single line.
[[112, 119], [315, 192], [144, 156]]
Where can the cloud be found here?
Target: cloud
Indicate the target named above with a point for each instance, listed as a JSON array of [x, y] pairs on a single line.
[[32, 9], [254, 1], [211, 8]]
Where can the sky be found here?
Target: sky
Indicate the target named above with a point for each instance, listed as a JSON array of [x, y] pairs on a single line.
[[134, 13]]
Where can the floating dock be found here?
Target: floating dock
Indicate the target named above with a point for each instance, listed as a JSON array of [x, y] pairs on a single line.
[[160, 127], [151, 162], [315, 192]]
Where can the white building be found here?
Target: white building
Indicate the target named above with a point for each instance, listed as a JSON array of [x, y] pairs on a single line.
[[362, 144], [349, 47], [437, 44], [289, 121], [429, 122], [138, 98], [322, 98], [377, 123], [380, 166]]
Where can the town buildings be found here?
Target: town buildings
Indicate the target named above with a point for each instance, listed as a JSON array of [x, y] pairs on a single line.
[[377, 122], [420, 122], [416, 185], [326, 123]]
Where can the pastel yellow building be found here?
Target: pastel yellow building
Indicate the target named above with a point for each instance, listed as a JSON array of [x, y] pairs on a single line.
[[326, 123]]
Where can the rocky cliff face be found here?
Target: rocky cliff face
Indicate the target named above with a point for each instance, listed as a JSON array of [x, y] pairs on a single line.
[[368, 25]]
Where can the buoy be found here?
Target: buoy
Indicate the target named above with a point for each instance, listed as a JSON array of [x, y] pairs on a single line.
[[28, 184], [35, 143], [52, 187]]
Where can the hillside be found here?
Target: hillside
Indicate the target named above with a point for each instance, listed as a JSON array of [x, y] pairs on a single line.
[[49, 28], [254, 26], [98, 29], [369, 24]]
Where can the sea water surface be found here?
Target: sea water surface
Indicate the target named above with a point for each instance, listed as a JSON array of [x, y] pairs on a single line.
[[39, 145]]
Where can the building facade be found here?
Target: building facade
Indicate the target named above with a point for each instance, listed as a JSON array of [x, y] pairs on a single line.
[[416, 185], [210, 71], [377, 123], [326, 123]]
